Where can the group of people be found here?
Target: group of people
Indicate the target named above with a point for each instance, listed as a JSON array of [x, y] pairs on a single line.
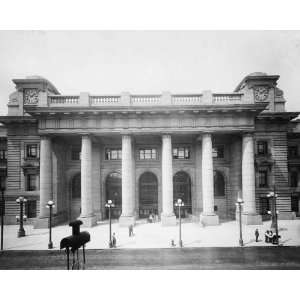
[[271, 237]]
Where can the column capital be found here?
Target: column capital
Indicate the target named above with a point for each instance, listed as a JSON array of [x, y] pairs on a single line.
[[166, 135], [248, 134]]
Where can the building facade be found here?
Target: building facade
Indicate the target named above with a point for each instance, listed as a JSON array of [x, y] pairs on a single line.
[[145, 151]]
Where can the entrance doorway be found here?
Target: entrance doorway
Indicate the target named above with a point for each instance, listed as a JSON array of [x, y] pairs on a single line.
[[113, 188], [148, 196], [75, 207], [182, 190]]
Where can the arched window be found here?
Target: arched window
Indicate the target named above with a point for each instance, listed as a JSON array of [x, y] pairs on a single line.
[[76, 186], [219, 184]]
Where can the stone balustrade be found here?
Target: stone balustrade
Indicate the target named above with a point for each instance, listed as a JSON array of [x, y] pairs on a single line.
[[186, 99], [105, 100], [143, 100], [63, 100], [227, 98]]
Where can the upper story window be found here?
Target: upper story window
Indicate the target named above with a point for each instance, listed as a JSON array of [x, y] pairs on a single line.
[[75, 155], [262, 147], [3, 155], [263, 178], [218, 151], [294, 179], [113, 154], [147, 154], [293, 151], [181, 153], [31, 151]]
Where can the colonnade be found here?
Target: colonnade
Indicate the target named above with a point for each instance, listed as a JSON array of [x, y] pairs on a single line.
[[207, 217]]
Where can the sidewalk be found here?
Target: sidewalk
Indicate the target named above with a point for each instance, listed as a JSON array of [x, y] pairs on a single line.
[[154, 235]]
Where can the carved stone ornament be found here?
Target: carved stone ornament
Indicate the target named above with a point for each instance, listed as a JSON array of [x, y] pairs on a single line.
[[261, 93], [31, 96]]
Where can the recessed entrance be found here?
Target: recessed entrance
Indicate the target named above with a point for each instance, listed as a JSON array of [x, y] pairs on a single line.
[[182, 190], [75, 207], [148, 196], [114, 192]]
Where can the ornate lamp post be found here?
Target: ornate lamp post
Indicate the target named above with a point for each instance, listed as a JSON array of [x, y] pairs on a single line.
[[50, 205], [109, 205], [2, 211], [239, 205], [21, 218], [179, 204], [274, 213]]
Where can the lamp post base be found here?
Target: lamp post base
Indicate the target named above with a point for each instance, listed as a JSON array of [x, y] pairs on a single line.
[[21, 232], [50, 245], [241, 243], [180, 244]]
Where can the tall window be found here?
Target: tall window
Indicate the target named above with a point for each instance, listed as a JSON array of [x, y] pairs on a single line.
[[3, 155], [113, 154], [147, 154], [31, 182], [218, 151], [262, 147], [31, 151], [293, 151], [181, 153], [294, 179], [263, 178]]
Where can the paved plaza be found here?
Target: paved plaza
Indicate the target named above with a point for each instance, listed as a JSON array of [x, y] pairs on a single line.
[[154, 235]]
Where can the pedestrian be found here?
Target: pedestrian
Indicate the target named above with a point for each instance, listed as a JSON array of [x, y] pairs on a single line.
[[130, 228], [256, 235], [114, 241], [172, 243]]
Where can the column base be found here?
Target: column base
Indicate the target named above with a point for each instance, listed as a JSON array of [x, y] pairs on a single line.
[[168, 220], [287, 215], [251, 219], [125, 221], [209, 220], [41, 223], [89, 221]]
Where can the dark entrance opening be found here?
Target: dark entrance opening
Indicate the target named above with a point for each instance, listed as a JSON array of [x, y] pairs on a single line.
[[75, 207], [113, 188], [148, 197], [182, 190]]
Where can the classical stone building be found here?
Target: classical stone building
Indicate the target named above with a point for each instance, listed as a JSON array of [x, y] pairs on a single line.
[[145, 151]]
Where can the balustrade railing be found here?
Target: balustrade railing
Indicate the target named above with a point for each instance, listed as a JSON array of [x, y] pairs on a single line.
[[63, 99], [226, 98], [186, 99], [105, 100], [145, 100]]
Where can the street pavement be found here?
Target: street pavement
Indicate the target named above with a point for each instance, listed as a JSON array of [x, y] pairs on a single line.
[[225, 258], [154, 235]]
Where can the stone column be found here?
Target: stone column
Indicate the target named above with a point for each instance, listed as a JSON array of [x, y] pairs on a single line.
[[167, 215], [127, 217], [46, 192], [250, 216], [87, 214], [208, 216]]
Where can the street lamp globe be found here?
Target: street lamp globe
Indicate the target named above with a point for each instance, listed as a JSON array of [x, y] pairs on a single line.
[[50, 203]]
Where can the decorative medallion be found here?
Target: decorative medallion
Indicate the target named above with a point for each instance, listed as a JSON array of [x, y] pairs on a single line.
[[261, 93], [31, 96]]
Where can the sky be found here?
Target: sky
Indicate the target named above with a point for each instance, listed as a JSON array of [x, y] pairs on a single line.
[[110, 62]]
